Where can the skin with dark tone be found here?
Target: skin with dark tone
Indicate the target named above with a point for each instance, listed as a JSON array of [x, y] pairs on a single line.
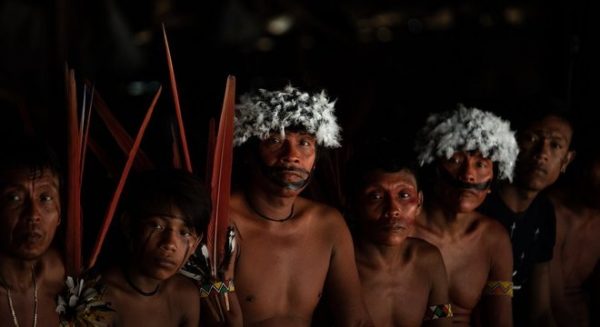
[[164, 212], [162, 247], [574, 269], [400, 276], [475, 248], [29, 216], [283, 267], [544, 153]]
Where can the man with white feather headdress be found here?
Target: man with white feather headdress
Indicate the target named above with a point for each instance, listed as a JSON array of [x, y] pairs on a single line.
[[462, 151], [291, 249]]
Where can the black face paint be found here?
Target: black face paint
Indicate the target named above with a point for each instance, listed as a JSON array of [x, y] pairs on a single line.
[[458, 184], [274, 173]]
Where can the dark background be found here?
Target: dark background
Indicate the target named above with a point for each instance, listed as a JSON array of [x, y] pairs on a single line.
[[388, 63]]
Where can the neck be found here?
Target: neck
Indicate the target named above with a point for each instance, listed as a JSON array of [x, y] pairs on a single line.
[[16, 274], [139, 283], [276, 207], [380, 255], [445, 220], [516, 198]]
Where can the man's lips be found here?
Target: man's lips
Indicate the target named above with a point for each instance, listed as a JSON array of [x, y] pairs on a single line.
[[31, 237]]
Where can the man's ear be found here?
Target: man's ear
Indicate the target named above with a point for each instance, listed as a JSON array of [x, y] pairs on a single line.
[[420, 203], [567, 160], [196, 243]]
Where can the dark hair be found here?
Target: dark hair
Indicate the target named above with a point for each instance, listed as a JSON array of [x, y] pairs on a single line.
[[158, 191], [28, 153], [380, 154]]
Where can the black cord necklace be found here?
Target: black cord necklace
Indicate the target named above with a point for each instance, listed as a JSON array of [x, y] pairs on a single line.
[[263, 216], [137, 289]]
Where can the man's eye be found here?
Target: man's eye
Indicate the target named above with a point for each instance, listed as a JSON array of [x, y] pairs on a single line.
[[481, 164], [273, 140], [46, 198], [555, 145], [375, 196], [14, 197]]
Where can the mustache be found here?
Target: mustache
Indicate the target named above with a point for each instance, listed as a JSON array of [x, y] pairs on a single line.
[[465, 185], [273, 174], [285, 169]]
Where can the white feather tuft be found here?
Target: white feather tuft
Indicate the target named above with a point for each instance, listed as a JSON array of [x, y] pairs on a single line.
[[260, 114], [468, 129]]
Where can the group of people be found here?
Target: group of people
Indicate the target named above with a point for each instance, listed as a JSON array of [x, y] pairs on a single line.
[[455, 229]]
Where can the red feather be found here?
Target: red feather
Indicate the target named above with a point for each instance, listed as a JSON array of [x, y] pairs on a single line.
[[124, 141], [210, 147], [73, 237], [115, 199], [221, 180], [184, 145]]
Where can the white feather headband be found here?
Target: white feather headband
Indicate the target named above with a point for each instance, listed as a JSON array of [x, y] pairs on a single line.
[[468, 129], [273, 111]]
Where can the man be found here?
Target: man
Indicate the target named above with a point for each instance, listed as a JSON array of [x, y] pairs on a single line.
[[575, 268], [291, 248], [164, 216], [528, 216], [403, 279], [463, 148], [31, 271]]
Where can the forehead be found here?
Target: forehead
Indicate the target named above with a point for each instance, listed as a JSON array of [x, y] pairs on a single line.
[[293, 133], [21, 176], [475, 154], [552, 126], [402, 177]]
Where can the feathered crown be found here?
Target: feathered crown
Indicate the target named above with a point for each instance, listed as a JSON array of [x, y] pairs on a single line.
[[265, 112], [468, 129]]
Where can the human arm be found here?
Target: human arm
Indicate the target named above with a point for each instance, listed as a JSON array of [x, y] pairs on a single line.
[[541, 309], [496, 301], [342, 283], [438, 294]]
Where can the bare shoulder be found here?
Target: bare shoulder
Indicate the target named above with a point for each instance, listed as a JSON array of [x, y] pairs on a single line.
[[492, 230], [182, 286], [53, 268], [321, 216], [425, 252]]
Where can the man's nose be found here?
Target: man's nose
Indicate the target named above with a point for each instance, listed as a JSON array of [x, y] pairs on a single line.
[[392, 209], [467, 172], [290, 153], [31, 210], [542, 150]]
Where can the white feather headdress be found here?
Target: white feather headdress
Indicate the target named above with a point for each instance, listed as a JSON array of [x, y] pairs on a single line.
[[266, 112], [468, 129]]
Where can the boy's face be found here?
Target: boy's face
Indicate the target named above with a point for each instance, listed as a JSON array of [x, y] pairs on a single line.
[[164, 244], [467, 177], [388, 206], [29, 212]]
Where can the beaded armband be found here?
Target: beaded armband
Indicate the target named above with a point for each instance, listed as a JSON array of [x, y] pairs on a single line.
[[216, 287], [498, 287], [438, 311]]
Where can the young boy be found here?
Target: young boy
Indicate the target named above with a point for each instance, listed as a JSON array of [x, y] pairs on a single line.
[[164, 215]]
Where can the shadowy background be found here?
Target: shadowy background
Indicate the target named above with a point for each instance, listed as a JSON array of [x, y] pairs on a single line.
[[388, 64]]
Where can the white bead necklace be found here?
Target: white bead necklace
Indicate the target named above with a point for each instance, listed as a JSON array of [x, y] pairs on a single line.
[[35, 302]]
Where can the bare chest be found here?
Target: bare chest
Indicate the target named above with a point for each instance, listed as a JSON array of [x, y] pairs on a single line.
[[281, 274], [580, 250], [397, 297]]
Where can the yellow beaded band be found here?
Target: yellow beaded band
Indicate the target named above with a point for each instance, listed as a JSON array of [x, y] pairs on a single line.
[[498, 287], [216, 287], [438, 311]]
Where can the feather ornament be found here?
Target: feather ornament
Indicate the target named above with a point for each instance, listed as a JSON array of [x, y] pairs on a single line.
[[121, 184], [468, 129], [175, 93]]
